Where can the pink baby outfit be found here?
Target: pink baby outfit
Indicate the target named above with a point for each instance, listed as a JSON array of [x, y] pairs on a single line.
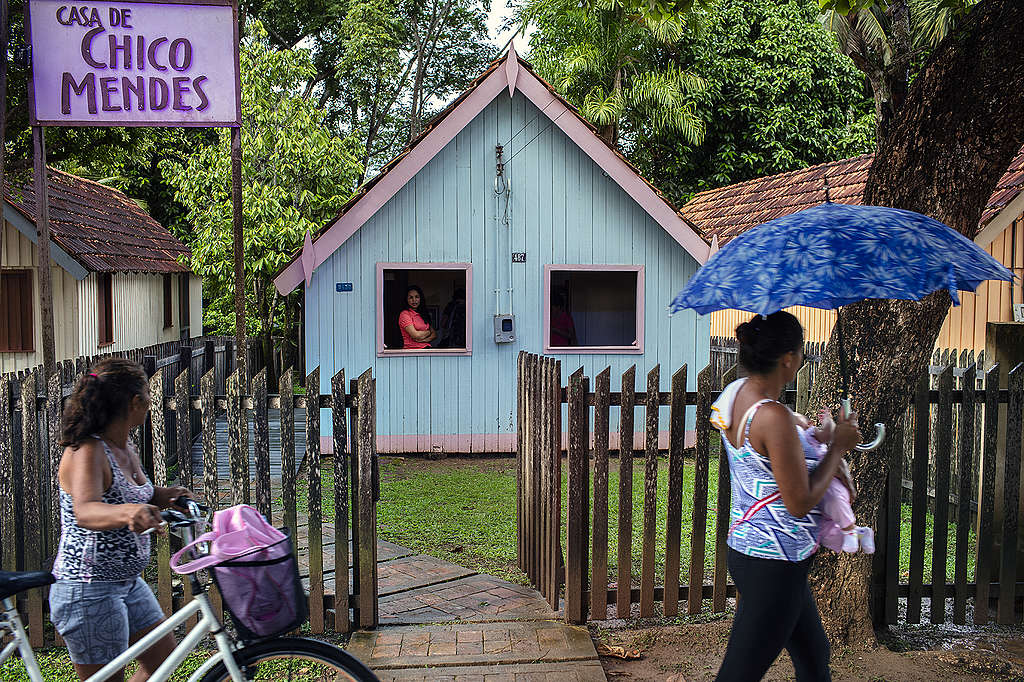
[[835, 506]]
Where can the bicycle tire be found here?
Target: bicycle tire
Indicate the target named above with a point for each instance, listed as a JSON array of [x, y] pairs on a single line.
[[293, 659]]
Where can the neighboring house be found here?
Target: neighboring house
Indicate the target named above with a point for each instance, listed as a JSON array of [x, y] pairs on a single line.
[[117, 280], [726, 212], [579, 226]]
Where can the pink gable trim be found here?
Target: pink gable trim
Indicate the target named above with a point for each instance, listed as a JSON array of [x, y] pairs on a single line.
[[516, 78]]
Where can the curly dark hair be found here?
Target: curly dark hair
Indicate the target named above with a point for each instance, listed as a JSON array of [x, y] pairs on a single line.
[[763, 340], [102, 395]]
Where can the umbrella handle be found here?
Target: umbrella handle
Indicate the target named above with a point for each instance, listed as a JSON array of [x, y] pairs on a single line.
[[879, 428]]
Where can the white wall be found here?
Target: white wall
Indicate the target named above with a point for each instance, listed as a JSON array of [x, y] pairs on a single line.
[[138, 312], [20, 253]]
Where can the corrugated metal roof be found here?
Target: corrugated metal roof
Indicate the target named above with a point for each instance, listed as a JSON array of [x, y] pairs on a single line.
[[101, 228], [729, 211]]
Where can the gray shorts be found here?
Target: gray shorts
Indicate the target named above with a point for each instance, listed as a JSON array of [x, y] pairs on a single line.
[[97, 619]]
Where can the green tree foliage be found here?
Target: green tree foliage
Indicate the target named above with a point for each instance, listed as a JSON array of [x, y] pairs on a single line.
[[616, 64], [296, 175], [778, 98]]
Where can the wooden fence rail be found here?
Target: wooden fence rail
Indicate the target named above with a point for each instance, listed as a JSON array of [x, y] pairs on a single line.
[[953, 429], [29, 458]]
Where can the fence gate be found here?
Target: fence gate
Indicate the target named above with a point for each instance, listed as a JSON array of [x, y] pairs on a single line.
[[30, 412], [539, 474]]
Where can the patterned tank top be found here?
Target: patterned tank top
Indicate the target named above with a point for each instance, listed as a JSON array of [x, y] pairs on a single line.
[[103, 555], [760, 524]]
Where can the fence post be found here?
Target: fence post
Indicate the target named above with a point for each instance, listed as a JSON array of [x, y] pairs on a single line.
[[238, 436], [33, 540], [723, 504], [8, 537], [1011, 496], [367, 508], [599, 569], [353, 477], [146, 446], [919, 504], [287, 392], [261, 442], [341, 464], [315, 504], [651, 408], [984, 561], [624, 588], [163, 549], [674, 515], [54, 395], [183, 424], [943, 444], [965, 466], [695, 588], [520, 438], [577, 535]]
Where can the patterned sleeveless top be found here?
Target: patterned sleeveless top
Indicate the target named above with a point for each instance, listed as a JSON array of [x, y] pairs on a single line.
[[103, 555], [760, 524]]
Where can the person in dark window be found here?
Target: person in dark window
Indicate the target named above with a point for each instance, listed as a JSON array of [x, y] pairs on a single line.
[[416, 330], [563, 330], [453, 321]]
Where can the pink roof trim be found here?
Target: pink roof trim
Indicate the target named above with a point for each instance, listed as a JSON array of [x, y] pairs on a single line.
[[516, 78]]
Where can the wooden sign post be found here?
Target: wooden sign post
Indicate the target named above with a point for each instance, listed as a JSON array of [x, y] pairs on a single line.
[[162, 63]]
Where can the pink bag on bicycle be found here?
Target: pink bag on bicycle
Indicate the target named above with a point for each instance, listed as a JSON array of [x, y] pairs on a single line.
[[237, 531]]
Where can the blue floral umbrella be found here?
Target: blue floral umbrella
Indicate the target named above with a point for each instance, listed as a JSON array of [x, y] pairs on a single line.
[[834, 254]]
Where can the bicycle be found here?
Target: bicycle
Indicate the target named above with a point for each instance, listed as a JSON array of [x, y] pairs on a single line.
[[276, 658]]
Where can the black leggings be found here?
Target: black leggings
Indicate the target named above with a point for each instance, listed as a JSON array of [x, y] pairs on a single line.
[[776, 610]]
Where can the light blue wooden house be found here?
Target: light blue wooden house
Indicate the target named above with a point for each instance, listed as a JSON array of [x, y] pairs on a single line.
[[560, 247]]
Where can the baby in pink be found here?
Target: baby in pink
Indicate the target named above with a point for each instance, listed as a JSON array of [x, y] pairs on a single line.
[[837, 530]]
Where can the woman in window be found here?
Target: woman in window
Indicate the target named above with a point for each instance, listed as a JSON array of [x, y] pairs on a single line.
[[416, 330]]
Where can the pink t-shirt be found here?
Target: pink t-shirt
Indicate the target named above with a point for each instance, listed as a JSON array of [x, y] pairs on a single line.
[[407, 317]]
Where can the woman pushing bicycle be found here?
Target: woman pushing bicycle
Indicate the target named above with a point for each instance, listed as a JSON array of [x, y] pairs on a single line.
[[100, 604]]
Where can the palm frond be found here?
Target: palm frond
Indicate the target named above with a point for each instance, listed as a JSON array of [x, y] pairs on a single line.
[[602, 108]]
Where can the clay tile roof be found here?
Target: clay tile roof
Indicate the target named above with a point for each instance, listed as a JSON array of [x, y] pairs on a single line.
[[729, 211], [102, 228]]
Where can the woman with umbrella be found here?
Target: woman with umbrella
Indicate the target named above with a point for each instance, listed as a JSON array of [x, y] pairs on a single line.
[[774, 494], [825, 257]]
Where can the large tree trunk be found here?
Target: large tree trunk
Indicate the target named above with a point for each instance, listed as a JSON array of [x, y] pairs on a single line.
[[959, 128]]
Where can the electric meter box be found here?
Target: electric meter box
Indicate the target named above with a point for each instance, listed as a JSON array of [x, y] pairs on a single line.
[[504, 329]]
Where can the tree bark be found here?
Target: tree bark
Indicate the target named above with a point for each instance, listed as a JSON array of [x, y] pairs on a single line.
[[960, 126]]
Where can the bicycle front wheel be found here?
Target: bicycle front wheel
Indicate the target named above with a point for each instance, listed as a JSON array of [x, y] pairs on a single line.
[[292, 659]]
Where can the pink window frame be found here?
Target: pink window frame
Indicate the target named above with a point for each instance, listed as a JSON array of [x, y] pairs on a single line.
[[635, 349], [424, 352]]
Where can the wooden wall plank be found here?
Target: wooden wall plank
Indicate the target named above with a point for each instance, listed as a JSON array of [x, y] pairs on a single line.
[[940, 537], [674, 513], [625, 534], [599, 563], [651, 409]]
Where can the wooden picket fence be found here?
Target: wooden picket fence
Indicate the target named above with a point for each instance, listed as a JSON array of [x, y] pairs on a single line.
[[30, 456], [584, 583]]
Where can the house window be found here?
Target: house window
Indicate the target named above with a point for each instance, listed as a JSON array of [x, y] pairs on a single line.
[[16, 331], [105, 307], [440, 317], [593, 308], [168, 307]]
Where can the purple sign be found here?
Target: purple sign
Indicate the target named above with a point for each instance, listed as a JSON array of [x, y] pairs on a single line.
[[134, 63]]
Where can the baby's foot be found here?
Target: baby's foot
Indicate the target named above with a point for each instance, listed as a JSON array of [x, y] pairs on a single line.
[[867, 539], [851, 543], [827, 426]]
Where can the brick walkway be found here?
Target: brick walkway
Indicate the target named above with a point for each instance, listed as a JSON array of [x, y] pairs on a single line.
[[441, 621]]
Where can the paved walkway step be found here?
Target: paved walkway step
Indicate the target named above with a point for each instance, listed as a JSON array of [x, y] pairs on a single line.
[[480, 650]]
